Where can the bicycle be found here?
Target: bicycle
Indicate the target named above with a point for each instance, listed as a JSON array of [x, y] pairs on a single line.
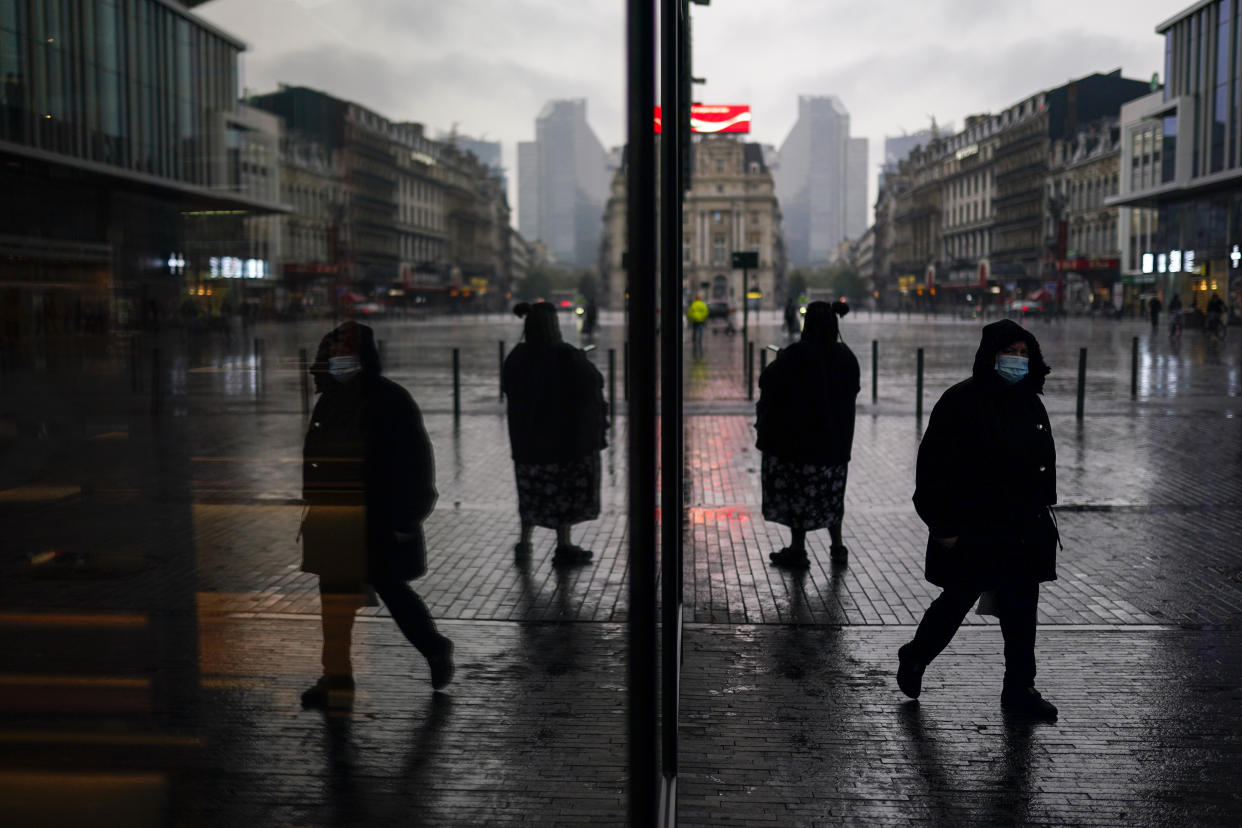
[[1215, 329]]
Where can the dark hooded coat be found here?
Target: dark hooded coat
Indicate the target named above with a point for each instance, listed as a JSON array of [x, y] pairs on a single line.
[[805, 411], [367, 446], [987, 474], [556, 403]]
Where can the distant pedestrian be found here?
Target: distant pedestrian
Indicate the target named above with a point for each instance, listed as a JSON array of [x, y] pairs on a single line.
[[1154, 306], [805, 420], [557, 426], [697, 315], [792, 323], [590, 318], [368, 477], [986, 477]]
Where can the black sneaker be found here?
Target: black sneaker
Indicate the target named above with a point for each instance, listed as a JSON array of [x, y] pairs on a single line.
[[909, 673], [330, 693], [521, 552], [441, 665], [790, 558], [840, 555], [571, 555], [1026, 701]]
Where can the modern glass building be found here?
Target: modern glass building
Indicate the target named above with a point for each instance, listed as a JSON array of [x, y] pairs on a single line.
[[1181, 163], [116, 118]]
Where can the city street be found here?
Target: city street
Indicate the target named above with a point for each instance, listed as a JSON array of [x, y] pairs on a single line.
[[158, 631]]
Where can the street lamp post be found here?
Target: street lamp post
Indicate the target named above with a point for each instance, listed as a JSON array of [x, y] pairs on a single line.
[[745, 259]]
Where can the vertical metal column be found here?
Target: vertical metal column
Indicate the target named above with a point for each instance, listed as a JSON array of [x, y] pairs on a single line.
[[641, 233], [670, 388]]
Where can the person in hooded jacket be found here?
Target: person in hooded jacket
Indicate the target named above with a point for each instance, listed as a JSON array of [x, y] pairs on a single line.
[[985, 479], [805, 420], [368, 477], [557, 425]]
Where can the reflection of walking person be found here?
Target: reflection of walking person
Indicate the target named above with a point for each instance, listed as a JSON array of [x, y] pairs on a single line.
[[557, 423], [369, 479], [806, 429], [697, 314], [986, 477]]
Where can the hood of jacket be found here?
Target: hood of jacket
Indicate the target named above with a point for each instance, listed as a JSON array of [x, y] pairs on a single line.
[[368, 354], [998, 335]]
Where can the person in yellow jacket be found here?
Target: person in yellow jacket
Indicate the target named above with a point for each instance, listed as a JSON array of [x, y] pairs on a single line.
[[697, 314]]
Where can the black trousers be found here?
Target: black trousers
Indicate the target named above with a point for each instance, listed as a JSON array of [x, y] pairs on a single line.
[[1015, 606], [407, 609]]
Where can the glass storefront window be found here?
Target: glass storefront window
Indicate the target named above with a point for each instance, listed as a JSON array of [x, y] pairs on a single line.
[[1168, 168]]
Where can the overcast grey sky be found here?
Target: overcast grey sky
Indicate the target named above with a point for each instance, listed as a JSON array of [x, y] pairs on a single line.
[[488, 66]]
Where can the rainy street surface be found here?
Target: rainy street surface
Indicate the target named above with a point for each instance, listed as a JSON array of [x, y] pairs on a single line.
[[156, 630]]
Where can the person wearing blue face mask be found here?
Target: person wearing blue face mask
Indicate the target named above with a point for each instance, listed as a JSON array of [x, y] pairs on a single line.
[[985, 479], [368, 478]]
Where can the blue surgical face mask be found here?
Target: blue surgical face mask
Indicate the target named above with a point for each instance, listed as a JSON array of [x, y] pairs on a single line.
[[1011, 367], [344, 368]]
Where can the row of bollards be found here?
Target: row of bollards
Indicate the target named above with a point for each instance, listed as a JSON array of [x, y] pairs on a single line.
[[259, 347]]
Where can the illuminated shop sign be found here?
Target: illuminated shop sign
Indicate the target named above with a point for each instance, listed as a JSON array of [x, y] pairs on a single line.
[[1235, 255], [715, 118], [1162, 263], [1149, 263], [176, 263], [231, 267], [1175, 261]]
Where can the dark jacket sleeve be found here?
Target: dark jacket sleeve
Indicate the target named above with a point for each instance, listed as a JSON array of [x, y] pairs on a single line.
[[938, 488]]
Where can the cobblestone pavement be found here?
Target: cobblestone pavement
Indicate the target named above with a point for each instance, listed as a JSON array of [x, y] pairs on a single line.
[[167, 640]]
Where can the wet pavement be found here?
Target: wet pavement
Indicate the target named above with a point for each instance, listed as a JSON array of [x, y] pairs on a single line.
[[157, 630]]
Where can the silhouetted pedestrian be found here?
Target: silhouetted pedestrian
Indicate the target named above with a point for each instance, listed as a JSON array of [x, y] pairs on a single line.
[[986, 477], [806, 430], [791, 317], [557, 425], [590, 318], [369, 481], [1154, 306]]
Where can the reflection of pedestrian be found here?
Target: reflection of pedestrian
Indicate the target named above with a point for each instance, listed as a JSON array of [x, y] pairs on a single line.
[[806, 428], [557, 422], [1154, 305], [985, 479], [369, 480], [697, 314]]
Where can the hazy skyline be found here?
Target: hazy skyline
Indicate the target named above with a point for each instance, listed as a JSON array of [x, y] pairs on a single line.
[[487, 67]]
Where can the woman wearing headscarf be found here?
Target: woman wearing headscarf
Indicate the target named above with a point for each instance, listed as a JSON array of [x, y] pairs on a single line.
[[806, 430], [986, 476], [369, 481], [557, 423]]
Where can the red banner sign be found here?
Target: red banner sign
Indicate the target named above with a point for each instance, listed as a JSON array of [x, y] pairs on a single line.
[[709, 118]]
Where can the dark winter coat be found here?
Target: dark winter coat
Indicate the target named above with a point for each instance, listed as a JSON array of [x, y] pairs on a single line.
[[805, 411], [987, 474], [556, 402], [366, 445]]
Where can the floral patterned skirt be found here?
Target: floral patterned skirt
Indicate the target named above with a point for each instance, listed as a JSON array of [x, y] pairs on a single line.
[[803, 496], [558, 494]]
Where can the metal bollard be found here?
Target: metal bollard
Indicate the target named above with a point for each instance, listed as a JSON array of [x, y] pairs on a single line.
[[918, 392], [1082, 379], [500, 381], [612, 384], [304, 366], [258, 365], [456, 383], [1134, 368], [875, 370], [750, 370], [625, 372]]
